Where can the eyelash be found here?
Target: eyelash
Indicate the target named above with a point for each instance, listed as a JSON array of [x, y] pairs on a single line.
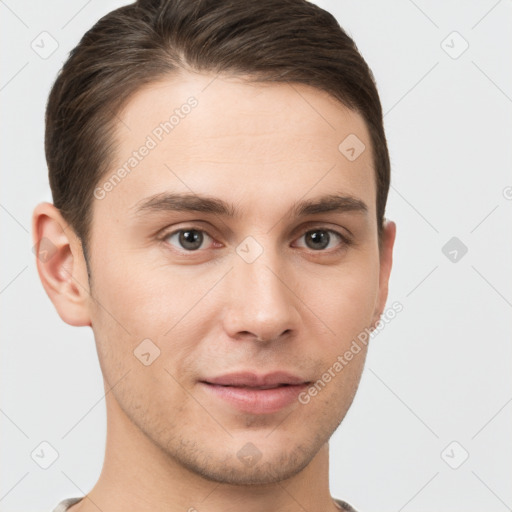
[[345, 240]]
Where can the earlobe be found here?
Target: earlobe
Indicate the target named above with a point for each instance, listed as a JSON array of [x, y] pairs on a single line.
[[61, 265], [386, 262]]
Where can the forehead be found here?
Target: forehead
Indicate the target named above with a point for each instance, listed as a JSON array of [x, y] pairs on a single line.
[[256, 144]]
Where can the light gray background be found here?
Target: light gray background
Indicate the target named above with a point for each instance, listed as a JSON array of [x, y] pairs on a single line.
[[439, 372]]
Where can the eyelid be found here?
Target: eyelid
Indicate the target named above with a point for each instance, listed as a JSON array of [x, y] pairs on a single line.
[[323, 226]]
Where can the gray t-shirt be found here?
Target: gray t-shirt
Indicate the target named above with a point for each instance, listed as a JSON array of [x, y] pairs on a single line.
[[65, 504]]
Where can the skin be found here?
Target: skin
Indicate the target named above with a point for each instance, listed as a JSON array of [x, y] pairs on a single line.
[[171, 445]]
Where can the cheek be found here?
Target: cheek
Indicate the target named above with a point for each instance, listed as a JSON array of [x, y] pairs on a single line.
[[141, 300], [346, 299], [150, 304]]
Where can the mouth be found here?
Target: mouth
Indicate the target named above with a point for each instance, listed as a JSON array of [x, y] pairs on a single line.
[[256, 394], [249, 387], [255, 380]]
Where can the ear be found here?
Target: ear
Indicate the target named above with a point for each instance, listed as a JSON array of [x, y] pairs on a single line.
[[61, 264], [386, 262]]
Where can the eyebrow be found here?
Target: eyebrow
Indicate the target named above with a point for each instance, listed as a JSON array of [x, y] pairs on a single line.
[[207, 204]]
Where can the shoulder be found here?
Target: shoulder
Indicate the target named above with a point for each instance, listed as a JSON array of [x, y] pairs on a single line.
[[65, 504], [346, 507]]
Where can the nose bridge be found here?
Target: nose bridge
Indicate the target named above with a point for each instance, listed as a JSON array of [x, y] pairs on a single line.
[[260, 301]]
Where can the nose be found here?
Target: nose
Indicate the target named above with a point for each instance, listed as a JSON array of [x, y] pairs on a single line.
[[261, 299]]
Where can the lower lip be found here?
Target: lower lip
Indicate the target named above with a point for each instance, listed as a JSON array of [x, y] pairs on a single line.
[[256, 401]]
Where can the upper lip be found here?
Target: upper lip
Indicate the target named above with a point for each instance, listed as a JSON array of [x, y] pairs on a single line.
[[250, 379]]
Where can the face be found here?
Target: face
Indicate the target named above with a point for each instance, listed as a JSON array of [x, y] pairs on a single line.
[[216, 313]]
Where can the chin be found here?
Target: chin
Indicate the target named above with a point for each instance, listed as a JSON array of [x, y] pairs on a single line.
[[248, 466]]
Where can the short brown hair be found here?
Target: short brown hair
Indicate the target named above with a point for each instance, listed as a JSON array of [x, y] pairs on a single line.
[[271, 40]]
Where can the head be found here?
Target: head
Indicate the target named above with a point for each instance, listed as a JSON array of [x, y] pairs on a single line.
[[219, 172]]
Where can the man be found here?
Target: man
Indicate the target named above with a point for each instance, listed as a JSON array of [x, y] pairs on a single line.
[[219, 173]]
